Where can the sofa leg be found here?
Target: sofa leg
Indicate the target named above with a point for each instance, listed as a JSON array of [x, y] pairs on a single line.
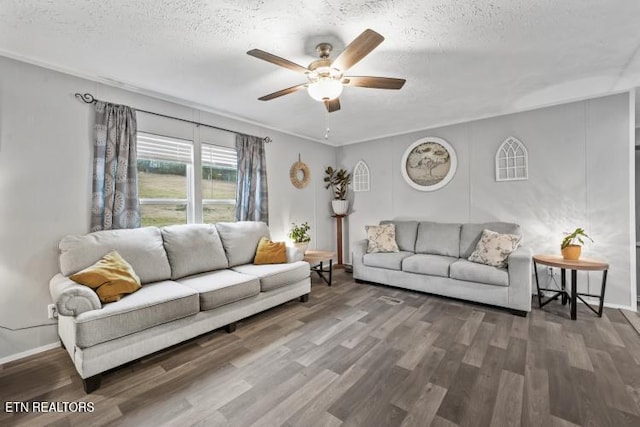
[[231, 327], [520, 313], [304, 298], [62, 345], [360, 281], [92, 383]]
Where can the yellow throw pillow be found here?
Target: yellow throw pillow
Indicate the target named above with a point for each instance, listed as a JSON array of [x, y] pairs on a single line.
[[111, 277], [269, 252]]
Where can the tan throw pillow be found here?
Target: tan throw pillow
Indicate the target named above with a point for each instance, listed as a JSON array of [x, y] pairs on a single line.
[[382, 238], [111, 277], [269, 252], [494, 248]]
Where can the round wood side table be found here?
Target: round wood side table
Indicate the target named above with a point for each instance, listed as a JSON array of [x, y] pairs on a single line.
[[584, 264], [316, 260]]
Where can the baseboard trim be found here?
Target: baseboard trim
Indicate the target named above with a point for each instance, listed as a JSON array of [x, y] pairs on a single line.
[[595, 301], [28, 353], [633, 319], [607, 304]]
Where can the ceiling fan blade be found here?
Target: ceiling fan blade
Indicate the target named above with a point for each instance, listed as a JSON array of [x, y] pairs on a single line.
[[357, 49], [332, 105], [282, 92], [373, 82], [266, 56]]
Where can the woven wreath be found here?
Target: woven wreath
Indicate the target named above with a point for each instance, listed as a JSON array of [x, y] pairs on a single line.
[[294, 172]]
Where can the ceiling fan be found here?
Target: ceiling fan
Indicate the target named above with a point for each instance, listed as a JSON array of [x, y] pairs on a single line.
[[326, 76]]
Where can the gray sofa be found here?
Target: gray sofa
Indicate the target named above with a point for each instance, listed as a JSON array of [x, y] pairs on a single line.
[[195, 278], [433, 258]]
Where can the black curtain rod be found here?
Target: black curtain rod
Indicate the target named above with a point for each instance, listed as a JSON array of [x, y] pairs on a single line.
[[87, 98]]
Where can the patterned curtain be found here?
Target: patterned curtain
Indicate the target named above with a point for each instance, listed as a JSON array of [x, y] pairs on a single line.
[[251, 195], [115, 201]]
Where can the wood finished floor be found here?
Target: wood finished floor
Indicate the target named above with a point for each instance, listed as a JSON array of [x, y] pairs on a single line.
[[363, 355]]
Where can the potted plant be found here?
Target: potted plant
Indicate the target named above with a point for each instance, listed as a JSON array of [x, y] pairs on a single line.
[[299, 235], [338, 180], [571, 245]]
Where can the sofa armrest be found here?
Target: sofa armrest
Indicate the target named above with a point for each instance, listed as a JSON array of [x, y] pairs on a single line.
[[294, 254], [360, 248], [520, 264], [70, 298], [357, 256]]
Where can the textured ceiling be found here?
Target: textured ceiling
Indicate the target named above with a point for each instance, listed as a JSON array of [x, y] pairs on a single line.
[[462, 59]]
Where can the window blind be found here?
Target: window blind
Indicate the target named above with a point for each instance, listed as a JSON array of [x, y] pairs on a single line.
[[220, 157], [155, 147]]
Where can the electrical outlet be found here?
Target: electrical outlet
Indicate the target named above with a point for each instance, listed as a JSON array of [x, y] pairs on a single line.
[[52, 311]]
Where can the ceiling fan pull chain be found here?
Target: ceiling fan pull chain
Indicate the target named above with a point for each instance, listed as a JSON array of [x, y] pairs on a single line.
[[326, 134]]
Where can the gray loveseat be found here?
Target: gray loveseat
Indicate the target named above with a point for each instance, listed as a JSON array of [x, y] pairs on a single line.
[[195, 278], [433, 258]]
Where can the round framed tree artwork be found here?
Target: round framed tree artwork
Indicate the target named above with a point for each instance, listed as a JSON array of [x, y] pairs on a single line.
[[429, 164]]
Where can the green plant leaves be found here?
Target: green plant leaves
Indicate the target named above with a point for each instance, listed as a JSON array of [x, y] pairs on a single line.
[[299, 233], [339, 181], [576, 236]]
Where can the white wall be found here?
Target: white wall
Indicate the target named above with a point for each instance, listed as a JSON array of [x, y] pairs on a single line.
[[579, 175], [579, 169], [45, 184]]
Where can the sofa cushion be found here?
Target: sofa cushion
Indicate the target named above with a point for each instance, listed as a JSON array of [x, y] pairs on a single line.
[[111, 277], [438, 238], [474, 272], [381, 238], [141, 247], [154, 304], [193, 249], [494, 248], [222, 287], [433, 265], [274, 276], [406, 232], [240, 240], [470, 234], [390, 261]]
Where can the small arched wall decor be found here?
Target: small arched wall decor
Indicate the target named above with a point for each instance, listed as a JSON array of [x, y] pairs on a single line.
[[361, 177], [512, 161], [429, 164]]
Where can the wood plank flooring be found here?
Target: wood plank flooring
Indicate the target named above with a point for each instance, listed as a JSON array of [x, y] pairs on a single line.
[[362, 355]]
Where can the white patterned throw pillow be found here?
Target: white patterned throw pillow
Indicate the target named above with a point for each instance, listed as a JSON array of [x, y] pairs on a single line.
[[494, 248], [382, 238]]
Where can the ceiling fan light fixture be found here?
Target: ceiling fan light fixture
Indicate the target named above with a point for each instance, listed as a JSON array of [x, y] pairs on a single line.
[[325, 88], [326, 75]]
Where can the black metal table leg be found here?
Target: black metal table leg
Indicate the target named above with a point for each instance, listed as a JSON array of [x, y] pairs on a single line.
[[574, 294], [563, 284], [535, 271], [551, 298], [319, 268], [604, 285], [599, 297]]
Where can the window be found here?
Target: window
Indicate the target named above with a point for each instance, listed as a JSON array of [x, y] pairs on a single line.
[[361, 177], [511, 161], [168, 191], [164, 179], [219, 182]]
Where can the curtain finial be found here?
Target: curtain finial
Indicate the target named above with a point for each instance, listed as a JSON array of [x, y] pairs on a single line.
[[86, 98]]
